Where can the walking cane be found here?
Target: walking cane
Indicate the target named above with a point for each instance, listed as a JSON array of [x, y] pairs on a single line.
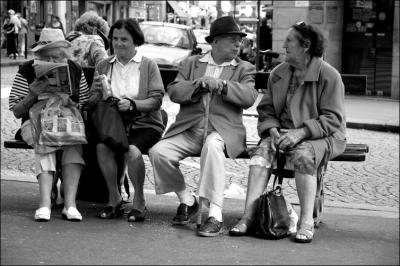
[[207, 99]]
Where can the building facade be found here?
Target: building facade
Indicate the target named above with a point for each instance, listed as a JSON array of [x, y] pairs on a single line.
[[362, 35]]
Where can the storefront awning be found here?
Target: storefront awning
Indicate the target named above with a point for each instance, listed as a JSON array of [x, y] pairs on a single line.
[[177, 9]]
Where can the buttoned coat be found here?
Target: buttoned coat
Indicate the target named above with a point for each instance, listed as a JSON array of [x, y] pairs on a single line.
[[318, 105], [225, 111]]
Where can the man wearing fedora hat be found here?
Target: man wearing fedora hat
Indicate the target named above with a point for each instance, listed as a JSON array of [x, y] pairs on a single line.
[[26, 88], [212, 90]]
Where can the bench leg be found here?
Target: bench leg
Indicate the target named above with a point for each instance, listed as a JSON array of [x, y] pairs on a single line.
[[319, 203]]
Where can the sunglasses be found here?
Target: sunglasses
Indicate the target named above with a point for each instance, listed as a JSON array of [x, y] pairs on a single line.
[[303, 29], [301, 23]]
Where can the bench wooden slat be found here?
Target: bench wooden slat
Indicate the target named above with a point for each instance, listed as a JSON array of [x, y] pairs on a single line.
[[16, 144], [353, 152]]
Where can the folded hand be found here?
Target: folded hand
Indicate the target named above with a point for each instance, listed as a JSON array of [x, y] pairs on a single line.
[[39, 86]]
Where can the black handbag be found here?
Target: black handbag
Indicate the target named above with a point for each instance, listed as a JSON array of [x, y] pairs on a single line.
[[272, 216], [109, 125]]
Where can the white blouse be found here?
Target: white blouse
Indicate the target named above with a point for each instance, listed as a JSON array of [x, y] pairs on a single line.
[[125, 78]]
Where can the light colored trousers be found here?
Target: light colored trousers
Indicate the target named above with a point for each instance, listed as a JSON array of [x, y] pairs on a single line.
[[166, 154]]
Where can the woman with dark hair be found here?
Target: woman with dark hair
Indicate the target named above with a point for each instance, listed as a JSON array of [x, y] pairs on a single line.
[[302, 115], [136, 81], [56, 23]]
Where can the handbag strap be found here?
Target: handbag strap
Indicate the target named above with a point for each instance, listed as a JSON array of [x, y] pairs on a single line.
[[280, 160]]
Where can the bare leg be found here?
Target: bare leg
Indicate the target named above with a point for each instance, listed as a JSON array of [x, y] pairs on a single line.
[[109, 169], [136, 171], [258, 180], [306, 189], [71, 175], [45, 186]]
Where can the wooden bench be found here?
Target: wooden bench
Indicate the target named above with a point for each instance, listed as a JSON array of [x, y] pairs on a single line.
[[353, 152]]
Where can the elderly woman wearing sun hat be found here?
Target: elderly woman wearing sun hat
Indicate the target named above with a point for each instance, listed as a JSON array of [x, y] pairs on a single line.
[[51, 47]]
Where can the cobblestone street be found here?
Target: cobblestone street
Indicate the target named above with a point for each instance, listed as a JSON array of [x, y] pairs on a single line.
[[370, 184]]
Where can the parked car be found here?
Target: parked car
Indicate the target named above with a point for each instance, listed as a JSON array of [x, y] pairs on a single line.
[[201, 41], [167, 43]]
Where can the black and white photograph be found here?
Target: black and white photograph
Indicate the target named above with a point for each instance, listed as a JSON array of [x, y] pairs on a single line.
[[262, 132]]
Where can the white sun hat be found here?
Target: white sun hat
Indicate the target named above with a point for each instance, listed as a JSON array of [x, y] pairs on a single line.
[[50, 38]]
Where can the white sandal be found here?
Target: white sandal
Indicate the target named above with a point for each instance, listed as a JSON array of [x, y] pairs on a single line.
[[42, 214], [72, 214]]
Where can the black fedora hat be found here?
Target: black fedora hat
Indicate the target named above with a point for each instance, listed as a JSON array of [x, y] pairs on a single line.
[[224, 25]]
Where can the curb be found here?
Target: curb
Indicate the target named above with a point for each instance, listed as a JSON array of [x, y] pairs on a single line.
[[359, 125], [329, 207], [374, 127]]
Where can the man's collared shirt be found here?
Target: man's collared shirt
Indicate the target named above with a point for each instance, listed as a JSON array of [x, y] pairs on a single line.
[[214, 70], [125, 78]]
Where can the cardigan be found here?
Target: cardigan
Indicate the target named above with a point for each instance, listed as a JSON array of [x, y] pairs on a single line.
[[149, 99]]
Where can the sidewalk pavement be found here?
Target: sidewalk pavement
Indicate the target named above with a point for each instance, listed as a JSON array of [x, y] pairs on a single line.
[[372, 113], [344, 237]]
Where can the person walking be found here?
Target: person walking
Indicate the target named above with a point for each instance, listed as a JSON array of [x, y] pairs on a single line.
[[212, 90], [17, 27], [22, 34], [9, 31], [55, 23]]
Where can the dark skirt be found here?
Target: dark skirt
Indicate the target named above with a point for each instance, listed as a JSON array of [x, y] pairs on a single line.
[[11, 44]]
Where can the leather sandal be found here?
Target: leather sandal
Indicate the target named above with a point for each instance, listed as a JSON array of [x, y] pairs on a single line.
[[110, 212], [137, 216], [240, 229], [305, 230]]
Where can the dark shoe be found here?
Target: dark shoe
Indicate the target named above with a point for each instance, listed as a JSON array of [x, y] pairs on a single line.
[[110, 212], [184, 213], [136, 215], [211, 227]]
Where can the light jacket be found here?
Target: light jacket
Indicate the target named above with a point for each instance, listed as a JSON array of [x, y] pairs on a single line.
[[225, 111], [317, 105], [149, 98]]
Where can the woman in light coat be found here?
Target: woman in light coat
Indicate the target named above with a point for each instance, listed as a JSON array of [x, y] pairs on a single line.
[[301, 114]]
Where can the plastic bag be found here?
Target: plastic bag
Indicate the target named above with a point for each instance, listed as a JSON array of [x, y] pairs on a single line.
[[61, 122]]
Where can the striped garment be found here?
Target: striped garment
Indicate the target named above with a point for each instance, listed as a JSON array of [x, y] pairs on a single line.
[[20, 89]]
